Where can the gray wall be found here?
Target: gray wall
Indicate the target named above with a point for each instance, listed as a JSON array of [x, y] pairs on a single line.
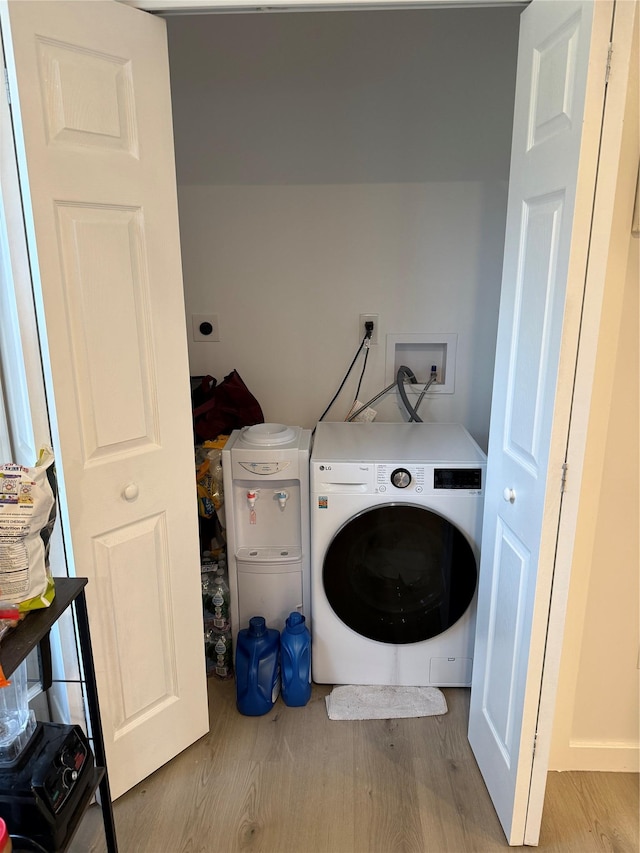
[[333, 164]]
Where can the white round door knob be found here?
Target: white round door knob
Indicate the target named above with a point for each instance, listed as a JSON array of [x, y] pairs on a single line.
[[130, 492], [509, 495]]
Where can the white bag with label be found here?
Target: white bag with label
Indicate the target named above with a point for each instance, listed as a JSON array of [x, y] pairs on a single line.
[[27, 516]]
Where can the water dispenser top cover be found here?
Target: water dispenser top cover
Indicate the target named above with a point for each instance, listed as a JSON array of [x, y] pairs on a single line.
[[268, 435]]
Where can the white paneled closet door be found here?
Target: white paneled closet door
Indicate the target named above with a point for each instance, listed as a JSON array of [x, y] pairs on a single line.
[[560, 91], [91, 108]]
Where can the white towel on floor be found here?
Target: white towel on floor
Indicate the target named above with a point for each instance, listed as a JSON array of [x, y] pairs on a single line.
[[357, 702]]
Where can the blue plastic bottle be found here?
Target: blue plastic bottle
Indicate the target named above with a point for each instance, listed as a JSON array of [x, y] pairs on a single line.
[[257, 668], [295, 659]]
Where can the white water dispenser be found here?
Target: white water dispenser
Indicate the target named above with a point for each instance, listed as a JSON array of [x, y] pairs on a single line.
[[266, 493]]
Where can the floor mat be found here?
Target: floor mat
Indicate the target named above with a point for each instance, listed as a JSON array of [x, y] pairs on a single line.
[[357, 702]]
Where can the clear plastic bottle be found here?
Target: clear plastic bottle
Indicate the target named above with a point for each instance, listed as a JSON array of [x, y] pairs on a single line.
[[219, 600], [205, 581], [219, 653], [17, 721], [209, 649]]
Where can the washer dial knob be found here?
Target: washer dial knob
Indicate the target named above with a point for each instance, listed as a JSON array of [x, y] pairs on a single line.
[[401, 478]]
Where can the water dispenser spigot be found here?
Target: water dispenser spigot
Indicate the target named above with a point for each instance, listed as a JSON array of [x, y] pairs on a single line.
[[252, 496], [282, 497]]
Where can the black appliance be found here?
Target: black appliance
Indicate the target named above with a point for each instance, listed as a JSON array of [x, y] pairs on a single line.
[[40, 792]]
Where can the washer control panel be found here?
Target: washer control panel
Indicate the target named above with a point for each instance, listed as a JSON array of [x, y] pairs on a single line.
[[418, 479], [405, 478]]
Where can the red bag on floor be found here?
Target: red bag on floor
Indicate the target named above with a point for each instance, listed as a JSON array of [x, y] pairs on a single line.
[[219, 409]]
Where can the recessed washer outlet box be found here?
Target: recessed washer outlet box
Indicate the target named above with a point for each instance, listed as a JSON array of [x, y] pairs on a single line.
[[419, 352]]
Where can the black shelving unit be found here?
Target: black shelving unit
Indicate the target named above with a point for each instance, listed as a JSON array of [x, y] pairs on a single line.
[[33, 631]]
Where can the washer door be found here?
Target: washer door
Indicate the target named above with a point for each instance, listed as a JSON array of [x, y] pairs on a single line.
[[399, 574]]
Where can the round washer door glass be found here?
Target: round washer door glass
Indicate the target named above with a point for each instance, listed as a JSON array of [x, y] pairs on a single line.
[[399, 574]]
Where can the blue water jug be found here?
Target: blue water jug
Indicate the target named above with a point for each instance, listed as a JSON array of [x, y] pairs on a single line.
[[295, 661], [257, 668]]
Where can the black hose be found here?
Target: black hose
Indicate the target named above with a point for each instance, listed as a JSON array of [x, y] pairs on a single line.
[[405, 372]]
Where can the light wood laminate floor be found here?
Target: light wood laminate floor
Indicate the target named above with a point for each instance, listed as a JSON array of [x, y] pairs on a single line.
[[295, 782]]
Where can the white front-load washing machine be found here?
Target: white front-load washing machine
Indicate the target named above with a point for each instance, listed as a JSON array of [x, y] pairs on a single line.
[[396, 520]]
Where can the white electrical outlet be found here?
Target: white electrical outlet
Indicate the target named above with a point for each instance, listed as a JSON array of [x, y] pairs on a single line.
[[205, 327], [375, 319]]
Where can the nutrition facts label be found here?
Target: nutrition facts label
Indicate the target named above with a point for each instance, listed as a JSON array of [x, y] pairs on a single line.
[[16, 513]]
